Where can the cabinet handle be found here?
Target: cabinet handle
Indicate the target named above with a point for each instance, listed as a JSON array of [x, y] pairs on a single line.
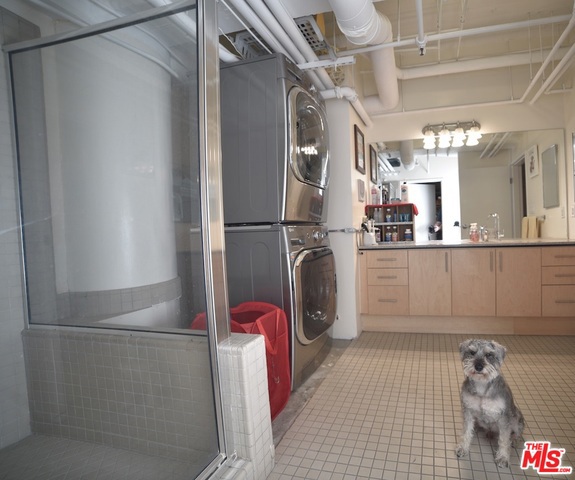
[[564, 275], [446, 262], [388, 277], [386, 260], [501, 261], [565, 301], [490, 261], [387, 300], [565, 256]]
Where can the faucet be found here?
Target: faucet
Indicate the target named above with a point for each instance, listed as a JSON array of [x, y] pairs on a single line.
[[496, 232]]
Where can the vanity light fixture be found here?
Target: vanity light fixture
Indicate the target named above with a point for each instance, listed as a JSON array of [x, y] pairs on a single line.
[[454, 135]]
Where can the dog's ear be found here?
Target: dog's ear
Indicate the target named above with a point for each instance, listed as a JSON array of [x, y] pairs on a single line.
[[463, 346], [500, 350]]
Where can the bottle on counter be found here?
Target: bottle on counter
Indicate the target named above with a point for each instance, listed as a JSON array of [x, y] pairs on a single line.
[[473, 232], [394, 235], [408, 235], [388, 234]]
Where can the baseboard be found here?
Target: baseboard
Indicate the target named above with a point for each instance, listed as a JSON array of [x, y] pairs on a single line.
[[470, 325]]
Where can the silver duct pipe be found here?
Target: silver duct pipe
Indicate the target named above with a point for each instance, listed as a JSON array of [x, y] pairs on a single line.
[[362, 24]]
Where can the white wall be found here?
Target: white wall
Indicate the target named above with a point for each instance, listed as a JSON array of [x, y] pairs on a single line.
[[555, 224]]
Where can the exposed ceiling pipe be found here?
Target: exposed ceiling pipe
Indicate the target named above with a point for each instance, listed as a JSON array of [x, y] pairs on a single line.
[[255, 17], [351, 96], [406, 154], [254, 20], [288, 24], [463, 33], [551, 78], [462, 66], [549, 58], [420, 40], [284, 24], [362, 24]]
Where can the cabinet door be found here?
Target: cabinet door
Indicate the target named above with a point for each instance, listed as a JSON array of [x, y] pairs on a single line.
[[519, 282], [430, 282], [473, 281]]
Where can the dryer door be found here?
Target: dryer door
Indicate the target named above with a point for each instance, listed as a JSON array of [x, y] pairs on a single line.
[[309, 142], [314, 282]]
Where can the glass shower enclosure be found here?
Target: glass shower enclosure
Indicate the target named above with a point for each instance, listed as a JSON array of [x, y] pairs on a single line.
[[115, 189]]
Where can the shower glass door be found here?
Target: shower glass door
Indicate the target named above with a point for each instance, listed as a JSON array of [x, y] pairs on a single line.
[[112, 172]]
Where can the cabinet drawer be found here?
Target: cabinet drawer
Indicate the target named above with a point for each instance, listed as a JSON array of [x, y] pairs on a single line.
[[390, 300], [387, 276], [558, 275], [558, 256], [559, 301], [387, 259]]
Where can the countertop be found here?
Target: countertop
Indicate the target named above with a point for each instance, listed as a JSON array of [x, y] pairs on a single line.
[[511, 242]]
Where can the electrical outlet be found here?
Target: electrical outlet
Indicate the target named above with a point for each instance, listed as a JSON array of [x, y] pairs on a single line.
[[573, 210]]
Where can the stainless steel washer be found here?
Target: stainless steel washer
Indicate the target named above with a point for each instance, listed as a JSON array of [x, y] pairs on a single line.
[[294, 268]]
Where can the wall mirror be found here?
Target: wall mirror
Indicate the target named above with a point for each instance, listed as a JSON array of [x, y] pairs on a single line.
[[490, 178], [550, 177]]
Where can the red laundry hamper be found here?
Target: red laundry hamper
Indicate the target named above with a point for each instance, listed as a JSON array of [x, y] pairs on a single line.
[[271, 322]]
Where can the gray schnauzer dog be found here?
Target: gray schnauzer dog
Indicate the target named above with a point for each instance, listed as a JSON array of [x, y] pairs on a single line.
[[486, 399]]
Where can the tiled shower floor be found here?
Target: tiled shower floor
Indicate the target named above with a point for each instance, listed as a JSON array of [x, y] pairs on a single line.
[[48, 458], [390, 409]]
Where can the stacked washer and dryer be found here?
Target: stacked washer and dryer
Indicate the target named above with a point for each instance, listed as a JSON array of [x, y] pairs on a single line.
[[275, 179]]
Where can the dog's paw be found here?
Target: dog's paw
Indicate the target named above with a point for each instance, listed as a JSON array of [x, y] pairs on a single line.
[[460, 451], [502, 461]]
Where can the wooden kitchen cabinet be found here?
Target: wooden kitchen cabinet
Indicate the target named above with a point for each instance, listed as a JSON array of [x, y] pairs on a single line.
[[387, 282], [558, 279], [473, 281], [429, 282], [518, 281]]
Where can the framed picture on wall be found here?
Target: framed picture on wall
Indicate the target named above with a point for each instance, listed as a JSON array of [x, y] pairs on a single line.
[[359, 150], [373, 164], [532, 161]]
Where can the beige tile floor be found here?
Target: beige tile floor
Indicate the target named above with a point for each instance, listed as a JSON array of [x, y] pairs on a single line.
[[389, 409]]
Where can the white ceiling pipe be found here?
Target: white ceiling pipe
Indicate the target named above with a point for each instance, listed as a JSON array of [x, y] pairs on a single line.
[[351, 96], [463, 66], [361, 23], [463, 33], [420, 40], [279, 33], [549, 58], [252, 16], [551, 78], [249, 15]]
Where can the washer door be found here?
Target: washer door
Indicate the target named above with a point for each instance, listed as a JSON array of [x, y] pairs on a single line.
[[315, 293], [309, 154]]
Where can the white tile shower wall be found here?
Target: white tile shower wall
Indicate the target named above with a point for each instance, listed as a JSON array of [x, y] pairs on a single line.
[[14, 413], [247, 417], [144, 394]]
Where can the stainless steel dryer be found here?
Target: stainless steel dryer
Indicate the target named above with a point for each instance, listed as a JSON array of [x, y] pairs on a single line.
[[293, 268], [275, 159]]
